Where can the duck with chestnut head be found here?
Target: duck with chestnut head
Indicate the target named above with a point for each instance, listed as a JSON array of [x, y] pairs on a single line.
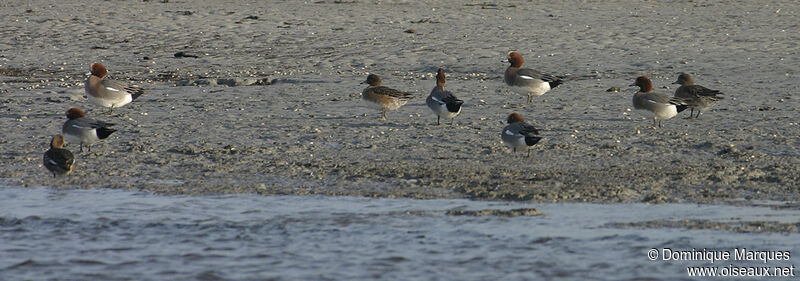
[[83, 130], [519, 135], [662, 106]]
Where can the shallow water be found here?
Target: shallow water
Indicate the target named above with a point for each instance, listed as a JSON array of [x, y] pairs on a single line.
[[99, 234]]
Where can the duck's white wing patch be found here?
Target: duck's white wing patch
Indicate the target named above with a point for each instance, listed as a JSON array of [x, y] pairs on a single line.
[[51, 161], [508, 132], [112, 89], [436, 100], [526, 77], [80, 127]]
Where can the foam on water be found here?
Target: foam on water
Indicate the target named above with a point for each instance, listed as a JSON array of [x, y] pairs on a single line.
[[113, 234]]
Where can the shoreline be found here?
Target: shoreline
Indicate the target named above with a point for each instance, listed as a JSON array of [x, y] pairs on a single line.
[[300, 127]]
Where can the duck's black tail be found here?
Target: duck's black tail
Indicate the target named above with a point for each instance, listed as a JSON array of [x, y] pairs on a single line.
[[135, 91], [531, 140], [454, 105], [680, 103], [554, 84], [103, 132]]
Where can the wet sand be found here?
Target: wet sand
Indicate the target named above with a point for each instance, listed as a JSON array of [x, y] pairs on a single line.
[[271, 104]]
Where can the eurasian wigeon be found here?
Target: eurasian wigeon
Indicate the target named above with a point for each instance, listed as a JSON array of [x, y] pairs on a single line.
[[528, 81], [58, 160], [83, 130], [696, 96], [442, 102], [662, 106], [109, 93], [518, 134], [385, 97]]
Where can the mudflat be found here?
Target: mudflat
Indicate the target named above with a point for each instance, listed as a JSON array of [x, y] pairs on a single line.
[[253, 97]]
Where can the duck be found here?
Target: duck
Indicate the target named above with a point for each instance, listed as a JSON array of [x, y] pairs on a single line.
[[105, 92], [442, 102], [519, 135], [528, 81], [386, 98], [662, 106], [58, 160], [83, 130], [696, 96]]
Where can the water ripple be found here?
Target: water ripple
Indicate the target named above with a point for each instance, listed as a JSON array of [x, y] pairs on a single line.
[[119, 235]]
